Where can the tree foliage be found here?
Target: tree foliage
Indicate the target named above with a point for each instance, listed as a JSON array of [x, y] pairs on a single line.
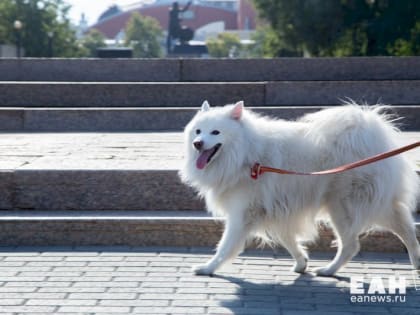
[[408, 47], [144, 34], [91, 42], [342, 27], [40, 18], [225, 45], [267, 44]]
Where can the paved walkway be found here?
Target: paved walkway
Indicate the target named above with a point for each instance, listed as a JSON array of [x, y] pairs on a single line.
[[158, 281], [103, 151]]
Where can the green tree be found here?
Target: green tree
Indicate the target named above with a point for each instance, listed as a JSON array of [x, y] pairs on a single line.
[[225, 45], [407, 47], [302, 25], [145, 36], [6, 22], [389, 22], [267, 44], [339, 28], [45, 25], [91, 42]]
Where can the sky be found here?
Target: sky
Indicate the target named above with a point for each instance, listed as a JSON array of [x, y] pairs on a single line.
[[92, 8]]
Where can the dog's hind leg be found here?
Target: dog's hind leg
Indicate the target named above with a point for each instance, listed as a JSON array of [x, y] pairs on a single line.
[[401, 223], [348, 243], [347, 249], [231, 244]]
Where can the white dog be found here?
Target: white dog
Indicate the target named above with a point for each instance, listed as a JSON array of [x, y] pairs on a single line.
[[221, 145]]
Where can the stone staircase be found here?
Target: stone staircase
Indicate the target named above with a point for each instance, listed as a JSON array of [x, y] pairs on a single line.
[[90, 148]]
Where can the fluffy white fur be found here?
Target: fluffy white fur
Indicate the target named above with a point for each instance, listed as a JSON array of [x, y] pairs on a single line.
[[284, 208]]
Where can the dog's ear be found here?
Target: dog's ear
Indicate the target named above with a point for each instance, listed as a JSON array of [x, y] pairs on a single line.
[[237, 110], [205, 106]]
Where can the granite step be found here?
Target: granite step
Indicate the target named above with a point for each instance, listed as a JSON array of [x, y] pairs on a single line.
[[95, 189], [128, 228], [212, 70], [190, 94], [142, 228], [100, 171], [124, 119]]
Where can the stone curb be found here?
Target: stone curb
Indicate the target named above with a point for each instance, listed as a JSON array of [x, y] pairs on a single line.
[[133, 94], [145, 119], [140, 228], [153, 70], [169, 94]]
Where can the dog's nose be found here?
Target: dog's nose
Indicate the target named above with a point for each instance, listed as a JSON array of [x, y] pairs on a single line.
[[198, 144]]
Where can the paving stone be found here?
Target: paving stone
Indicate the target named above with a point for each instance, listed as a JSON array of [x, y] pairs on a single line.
[[23, 279], [169, 310], [61, 302], [94, 309], [29, 309], [73, 290], [11, 302], [31, 295], [12, 290], [87, 284], [102, 296], [134, 303], [16, 282]]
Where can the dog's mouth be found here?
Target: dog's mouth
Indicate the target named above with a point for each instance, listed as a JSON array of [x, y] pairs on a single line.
[[206, 156]]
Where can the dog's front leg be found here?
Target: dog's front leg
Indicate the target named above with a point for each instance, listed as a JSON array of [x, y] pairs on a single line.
[[231, 244]]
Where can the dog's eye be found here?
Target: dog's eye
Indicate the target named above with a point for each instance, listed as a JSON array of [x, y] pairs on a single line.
[[215, 132], [198, 131]]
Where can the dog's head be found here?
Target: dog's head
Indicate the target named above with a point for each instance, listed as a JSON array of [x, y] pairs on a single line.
[[214, 140]]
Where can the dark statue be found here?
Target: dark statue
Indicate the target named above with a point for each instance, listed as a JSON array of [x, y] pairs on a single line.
[[175, 29]]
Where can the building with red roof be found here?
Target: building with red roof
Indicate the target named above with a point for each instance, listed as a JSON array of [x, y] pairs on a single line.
[[205, 17]]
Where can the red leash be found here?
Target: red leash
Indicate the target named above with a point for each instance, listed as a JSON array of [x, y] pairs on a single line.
[[258, 169]]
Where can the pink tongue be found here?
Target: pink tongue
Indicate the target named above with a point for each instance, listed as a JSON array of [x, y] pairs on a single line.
[[202, 159]]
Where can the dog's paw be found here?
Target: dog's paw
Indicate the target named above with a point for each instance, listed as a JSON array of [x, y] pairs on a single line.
[[415, 260], [324, 272], [300, 265], [202, 270]]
